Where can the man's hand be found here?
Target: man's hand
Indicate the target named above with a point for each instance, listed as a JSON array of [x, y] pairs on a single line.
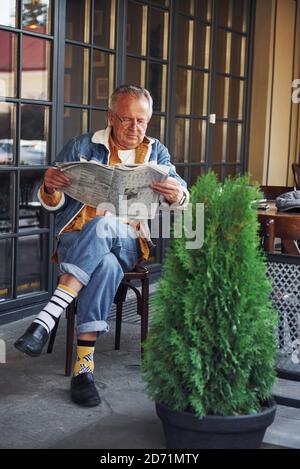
[[170, 189], [54, 180]]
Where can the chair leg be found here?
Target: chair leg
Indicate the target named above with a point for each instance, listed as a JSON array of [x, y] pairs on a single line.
[[144, 312], [52, 337], [70, 337], [119, 311]]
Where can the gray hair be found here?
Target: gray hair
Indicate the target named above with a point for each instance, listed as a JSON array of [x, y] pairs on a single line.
[[131, 90]]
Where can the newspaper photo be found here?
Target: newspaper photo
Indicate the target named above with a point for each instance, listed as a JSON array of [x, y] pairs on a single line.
[[125, 187]]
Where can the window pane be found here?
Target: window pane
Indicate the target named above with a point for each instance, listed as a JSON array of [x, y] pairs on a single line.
[[218, 170], [103, 77], [37, 16], [231, 170], [182, 134], [156, 128], [225, 13], [99, 120], [163, 3], [239, 15], [6, 202], [77, 20], [8, 15], [104, 23], [136, 28], [186, 6], [198, 141], [185, 41], [200, 94], [31, 215], [223, 51], [76, 74], [196, 171], [238, 55], [159, 34], [183, 91], [8, 56], [157, 85], [202, 52], [5, 268], [236, 99], [222, 96], [35, 68], [34, 134], [7, 132], [203, 9], [75, 122], [219, 147], [135, 71], [234, 143], [32, 263]]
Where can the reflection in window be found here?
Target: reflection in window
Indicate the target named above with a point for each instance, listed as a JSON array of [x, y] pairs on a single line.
[[8, 43], [5, 268], [103, 77], [30, 213], [104, 23], [7, 132], [34, 134], [75, 122], [76, 74], [35, 68], [36, 16], [6, 202], [8, 15], [32, 264]]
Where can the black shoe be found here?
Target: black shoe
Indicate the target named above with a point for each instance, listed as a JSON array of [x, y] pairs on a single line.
[[83, 390], [33, 340]]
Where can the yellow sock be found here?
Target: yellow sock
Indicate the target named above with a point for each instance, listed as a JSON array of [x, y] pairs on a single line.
[[85, 357]]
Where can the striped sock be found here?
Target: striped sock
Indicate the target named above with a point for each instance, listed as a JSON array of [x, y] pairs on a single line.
[[85, 357], [51, 313]]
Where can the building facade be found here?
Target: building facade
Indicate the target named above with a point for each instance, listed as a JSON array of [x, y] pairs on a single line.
[[61, 59]]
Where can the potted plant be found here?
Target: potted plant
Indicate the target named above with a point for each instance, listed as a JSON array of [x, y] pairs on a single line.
[[209, 357]]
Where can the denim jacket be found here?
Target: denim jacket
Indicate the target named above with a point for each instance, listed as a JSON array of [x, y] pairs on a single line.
[[87, 147]]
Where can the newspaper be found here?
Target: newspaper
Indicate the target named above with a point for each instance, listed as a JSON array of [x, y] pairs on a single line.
[[124, 189]]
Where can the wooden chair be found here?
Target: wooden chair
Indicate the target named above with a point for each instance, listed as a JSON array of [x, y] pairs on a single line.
[[296, 174], [267, 234], [140, 273], [271, 192]]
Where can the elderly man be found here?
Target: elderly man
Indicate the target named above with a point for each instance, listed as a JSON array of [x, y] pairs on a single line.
[[94, 249]]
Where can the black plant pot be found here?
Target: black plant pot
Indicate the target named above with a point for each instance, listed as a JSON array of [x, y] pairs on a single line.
[[184, 430]]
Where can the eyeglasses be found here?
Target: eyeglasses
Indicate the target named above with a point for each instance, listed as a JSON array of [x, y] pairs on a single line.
[[127, 121]]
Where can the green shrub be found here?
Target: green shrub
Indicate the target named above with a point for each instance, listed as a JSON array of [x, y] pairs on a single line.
[[211, 345]]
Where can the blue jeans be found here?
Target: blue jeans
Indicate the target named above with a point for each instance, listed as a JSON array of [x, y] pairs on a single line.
[[98, 256]]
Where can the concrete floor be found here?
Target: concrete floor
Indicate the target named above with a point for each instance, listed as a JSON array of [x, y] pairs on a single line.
[[36, 410]]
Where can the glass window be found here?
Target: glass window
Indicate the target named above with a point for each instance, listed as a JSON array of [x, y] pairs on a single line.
[[223, 51], [196, 171], [219, 142], [7, 132], [198, 140], [185, 41], [222, 96], [8, 15], [186, 7], [137, 28], [163, 3], [32, 264], [5, 268], [183, 91], [31, 215], [104, 23], [103, 77], [77, 20], [6, 202], [99, 120], [182, 135], [234, 143], [238, 55], [75, 122], [236, 108], [156, 128], [8, 56], [239, 15], [200, 94], [76, 74], [35, 68], [37, 16], [203, 9], [157, 85], [202, 39], [159, 34], [135, 71], [34, 134]]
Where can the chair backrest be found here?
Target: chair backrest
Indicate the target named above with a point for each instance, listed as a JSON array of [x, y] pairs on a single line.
[[288, 229], [271, 192], [296, 173], [267, 234]]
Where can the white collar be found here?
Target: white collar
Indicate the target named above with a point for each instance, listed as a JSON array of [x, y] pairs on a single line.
[[102, 136]]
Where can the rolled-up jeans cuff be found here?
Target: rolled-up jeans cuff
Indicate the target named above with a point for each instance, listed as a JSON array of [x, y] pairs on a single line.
[[94, 326], [66, 268]]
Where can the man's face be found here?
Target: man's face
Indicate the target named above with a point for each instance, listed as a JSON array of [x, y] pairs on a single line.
[[129, 121]]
